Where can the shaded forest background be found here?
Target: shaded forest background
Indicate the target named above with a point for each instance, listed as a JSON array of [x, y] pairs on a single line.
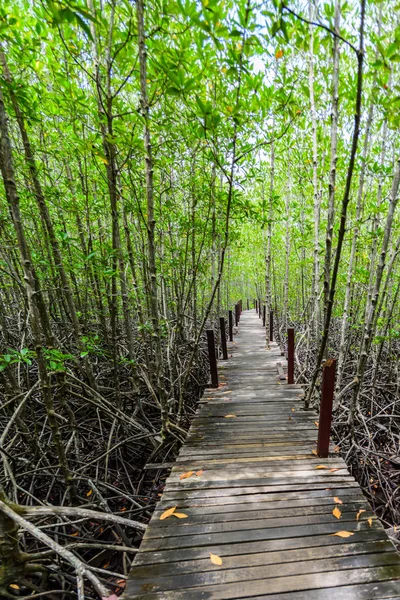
[[160, 162]]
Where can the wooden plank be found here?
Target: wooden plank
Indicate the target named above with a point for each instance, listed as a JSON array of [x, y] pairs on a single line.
[[235, 561], [232, 575], [173, 555], [270, 533], [183, 527], [260, 502], [281, 374], [280, 585]]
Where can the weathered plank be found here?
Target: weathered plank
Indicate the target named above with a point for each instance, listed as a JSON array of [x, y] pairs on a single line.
[[261, 500]]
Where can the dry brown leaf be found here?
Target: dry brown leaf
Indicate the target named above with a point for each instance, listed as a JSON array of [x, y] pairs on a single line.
[[198, 473], [333, 470], [314, 452], [322, 467], [343, 534], [370, 522], [316, 423], [230, 416], [167, 513], [75, 533], [293, 410], [360, 512], [215, 559], [186, 475], [336, 449], [337, 500], [179, 515], [337, 512]]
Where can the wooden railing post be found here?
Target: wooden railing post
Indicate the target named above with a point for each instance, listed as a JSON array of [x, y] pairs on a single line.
[[255, 305], [264, 314], [259, 310], [290, 358], [230, 322], [248, 304], [237, 316], [223, 338], [325, 409], [271, 325], [212, 357]]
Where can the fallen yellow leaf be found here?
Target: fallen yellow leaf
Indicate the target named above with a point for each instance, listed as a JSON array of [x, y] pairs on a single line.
[[336, 449], [337, 512], [333, 470], [89, 493], [179, 515], [343, 534], [316, 423], [14, 586], [322, 467], [215, 559], [360, 512], [186, 475], [314, 452], [279, 54], [337, 500], [370, 522], [230, 416], [198, 473], [167, 513]]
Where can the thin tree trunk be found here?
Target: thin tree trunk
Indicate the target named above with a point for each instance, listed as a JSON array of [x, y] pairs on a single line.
[[333, 159], [345, 203]]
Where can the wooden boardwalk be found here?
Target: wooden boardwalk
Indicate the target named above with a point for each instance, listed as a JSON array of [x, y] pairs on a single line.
[[260, 502]]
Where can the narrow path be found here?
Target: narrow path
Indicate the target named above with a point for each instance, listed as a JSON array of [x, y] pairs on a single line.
[[260, 502]]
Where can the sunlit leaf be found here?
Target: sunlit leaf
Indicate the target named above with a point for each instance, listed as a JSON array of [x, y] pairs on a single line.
[[362, 510], [343, 534], [186, 475], [167, 513], [337, 512], [215, 559]]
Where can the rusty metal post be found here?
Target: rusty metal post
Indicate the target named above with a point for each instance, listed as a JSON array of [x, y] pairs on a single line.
[[223, 338], [230, 322], [325, 409], [290, 358], [212, 357], [271, 325], [264, 314]]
